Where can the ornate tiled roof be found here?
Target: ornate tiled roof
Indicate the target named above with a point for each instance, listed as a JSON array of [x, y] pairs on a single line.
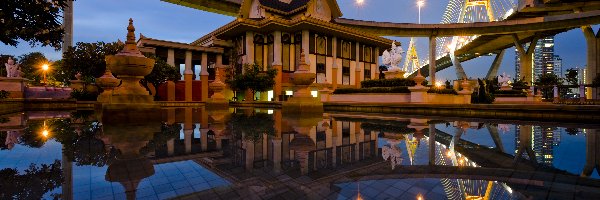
[[290, 23], [282, 6]]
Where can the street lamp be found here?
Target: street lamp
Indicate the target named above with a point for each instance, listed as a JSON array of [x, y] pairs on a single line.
[[420, 3], [45, 68]]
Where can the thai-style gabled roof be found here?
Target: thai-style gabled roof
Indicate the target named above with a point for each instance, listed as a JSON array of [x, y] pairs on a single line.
[[297, 23], [280, 6]]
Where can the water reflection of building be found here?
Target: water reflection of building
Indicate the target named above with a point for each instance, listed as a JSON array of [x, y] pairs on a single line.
[[544, 139]]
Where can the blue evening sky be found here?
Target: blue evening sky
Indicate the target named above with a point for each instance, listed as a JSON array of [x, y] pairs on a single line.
[[106, 20]]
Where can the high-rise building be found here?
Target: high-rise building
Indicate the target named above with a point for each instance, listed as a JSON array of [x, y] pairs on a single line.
[[543, 58], [558, 66]]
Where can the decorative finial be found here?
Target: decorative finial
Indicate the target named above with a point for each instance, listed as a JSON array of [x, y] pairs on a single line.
[[302, 57], [130, 33], [130, 44]]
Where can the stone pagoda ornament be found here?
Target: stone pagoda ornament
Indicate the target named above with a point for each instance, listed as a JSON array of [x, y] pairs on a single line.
[[302, 101], [130, 66], [392, 59]]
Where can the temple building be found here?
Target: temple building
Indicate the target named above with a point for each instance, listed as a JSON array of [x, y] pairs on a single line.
[[273, 34]]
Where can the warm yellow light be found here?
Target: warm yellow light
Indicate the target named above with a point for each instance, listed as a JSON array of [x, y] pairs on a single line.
[[439, 84], [449, 153], [360, 2], [461, 161], [45, 133], [45, 67], [420, 197], [420, 3]]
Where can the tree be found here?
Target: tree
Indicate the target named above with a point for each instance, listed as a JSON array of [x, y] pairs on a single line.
[[31, 66], [546, 82], [254, 78], [162, 72], [252, 126], [87, 59], [571, 76], [32, 21], [32, 183]]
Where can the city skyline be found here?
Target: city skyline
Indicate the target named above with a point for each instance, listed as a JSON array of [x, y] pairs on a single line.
[[102, 21]]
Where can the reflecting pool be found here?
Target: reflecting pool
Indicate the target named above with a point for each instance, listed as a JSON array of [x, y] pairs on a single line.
[[256, 153]]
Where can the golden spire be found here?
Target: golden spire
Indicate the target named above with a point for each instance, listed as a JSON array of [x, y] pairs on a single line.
[[130, 44]]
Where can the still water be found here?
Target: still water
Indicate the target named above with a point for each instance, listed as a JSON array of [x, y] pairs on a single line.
[[253, 153]]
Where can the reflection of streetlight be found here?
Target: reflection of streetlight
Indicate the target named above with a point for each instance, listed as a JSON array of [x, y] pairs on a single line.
[[419, 197], [45, 131], [45, 68], [449, 153], [438, 84]]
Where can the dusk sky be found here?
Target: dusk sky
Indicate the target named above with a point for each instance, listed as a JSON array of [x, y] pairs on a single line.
[[106, 20]]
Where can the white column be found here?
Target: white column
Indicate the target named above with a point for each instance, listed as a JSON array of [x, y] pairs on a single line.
[[306, 44], [277, 49], [376, 70], [204, 63], [358, 66], [432, 59], [334, 52], [276, 154], [204, 139], [249, 48], [188, 63], [188, 135], [171, 57], [171, 147]]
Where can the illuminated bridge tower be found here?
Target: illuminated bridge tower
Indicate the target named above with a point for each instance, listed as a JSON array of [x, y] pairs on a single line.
[[470, 11], [411, 63]]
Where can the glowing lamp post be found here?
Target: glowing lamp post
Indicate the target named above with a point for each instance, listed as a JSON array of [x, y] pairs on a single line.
[[420, 4], [45, 68]]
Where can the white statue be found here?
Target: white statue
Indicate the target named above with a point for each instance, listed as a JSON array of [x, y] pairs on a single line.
[[12, 138], [504, 128], [504, 79], [12, 69], [393, 57], [392, 153]]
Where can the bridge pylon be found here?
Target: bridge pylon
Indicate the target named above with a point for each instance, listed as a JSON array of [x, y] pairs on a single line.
[[411, 63]]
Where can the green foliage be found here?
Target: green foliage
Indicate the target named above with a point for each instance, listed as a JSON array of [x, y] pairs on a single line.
[[32, 183], [253, 78], [83, 95], [161, 73], [32, 21], [546, 82], [31, 66], [395, 82], [251, 126], [571, 76], [399, 89], [510, 93], [442, 91], [167, 132], [87, 58], [519, 84], [4, 94]]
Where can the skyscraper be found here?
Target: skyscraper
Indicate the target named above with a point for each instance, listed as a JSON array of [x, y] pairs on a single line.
[[558, 66], [543, 58]]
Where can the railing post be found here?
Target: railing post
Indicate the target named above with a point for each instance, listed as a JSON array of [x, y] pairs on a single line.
[[556, 97], [581, 93]]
